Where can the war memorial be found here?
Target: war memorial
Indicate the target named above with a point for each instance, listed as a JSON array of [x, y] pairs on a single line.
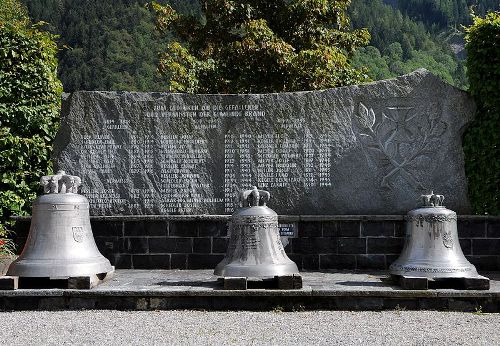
[[339, 168]]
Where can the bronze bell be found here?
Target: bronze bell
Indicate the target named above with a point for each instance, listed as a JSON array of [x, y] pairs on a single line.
[[255, 248], [432, 249], [60, 241]]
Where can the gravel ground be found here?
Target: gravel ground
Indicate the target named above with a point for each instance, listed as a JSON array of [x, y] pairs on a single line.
[[248, 328]]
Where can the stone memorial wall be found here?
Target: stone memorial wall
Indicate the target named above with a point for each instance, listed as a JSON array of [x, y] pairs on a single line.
[[365, 149]]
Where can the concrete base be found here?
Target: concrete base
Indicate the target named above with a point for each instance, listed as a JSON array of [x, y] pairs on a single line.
[[283, 282], [199, 289], [421, 283], [9, 282]]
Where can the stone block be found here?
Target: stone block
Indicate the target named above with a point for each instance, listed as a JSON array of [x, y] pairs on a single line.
[[377, 228], [341, 229], [138, 245], [466, 245], [109, 245], [486, 246], [310, 262], [493, 229], [309, 229], [330, 229], [401, 304], [384, 246], [21, 228], [107, 228], [198, 261], [352, 245], [297, 259], [123, 144], [151, 261], [145, 228], [183, 229], [170, 245], [212, 229], [433, 303], [376, 262], [9, 282], [120, 261], [134, 228], [178, 261], [315, 245], [202, 245], [349, 228], [413, 283], [289, 282], [480, 283], [485, 263], [471, 228], [235, 283], [219, 245], [399, 229], [390, 259], [337, 262]]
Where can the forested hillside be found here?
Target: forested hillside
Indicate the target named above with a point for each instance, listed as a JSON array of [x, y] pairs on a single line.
[[443, 14], [400, 45], [113, 45]]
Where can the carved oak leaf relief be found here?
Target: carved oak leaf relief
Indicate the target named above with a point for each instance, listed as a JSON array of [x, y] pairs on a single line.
[[400, 141]]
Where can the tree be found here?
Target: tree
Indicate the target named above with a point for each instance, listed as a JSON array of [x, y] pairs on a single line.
[[482, 141], [260, 46], [405, 44], [29, 108], [105, 45]]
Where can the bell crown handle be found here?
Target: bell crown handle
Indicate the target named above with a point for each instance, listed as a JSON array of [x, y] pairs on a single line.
[[254, 197], [60, 183], [432, 200]]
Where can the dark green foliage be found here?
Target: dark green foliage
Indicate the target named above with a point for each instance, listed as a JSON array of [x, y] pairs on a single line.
[[260, 46], [442, 14], [111, 45], [29, 107], [482, 139], [105, 45], [400, 45]]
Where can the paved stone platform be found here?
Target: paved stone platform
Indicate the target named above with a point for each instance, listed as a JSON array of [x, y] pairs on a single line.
[[199, 289]]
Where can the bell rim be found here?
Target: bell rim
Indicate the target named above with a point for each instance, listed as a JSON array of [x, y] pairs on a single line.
[[433, 270], [256, 271], [33, 268]]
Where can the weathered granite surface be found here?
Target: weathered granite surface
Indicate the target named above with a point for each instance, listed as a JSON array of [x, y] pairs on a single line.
[[365, 149]]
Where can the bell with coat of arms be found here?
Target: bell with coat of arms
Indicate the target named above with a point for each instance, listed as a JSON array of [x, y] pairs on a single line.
[[60, 243]]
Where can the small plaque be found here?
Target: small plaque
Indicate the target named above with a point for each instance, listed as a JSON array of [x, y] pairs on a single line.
[[288, 230]]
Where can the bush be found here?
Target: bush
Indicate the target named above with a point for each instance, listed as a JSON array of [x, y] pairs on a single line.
[[29, 106], [481, 142]]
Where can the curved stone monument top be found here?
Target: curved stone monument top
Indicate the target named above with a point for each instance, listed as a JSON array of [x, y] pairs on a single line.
[[364, 149]]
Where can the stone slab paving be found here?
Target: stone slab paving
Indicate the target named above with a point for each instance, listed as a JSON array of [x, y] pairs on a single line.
[[174, 289]]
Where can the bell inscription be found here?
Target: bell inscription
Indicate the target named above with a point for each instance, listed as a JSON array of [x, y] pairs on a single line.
[[255, 248]]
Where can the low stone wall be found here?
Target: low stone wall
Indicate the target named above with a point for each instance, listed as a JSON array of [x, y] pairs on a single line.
[[360, 242]]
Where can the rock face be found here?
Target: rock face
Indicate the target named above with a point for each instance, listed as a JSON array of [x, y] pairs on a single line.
[[365, 149]]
